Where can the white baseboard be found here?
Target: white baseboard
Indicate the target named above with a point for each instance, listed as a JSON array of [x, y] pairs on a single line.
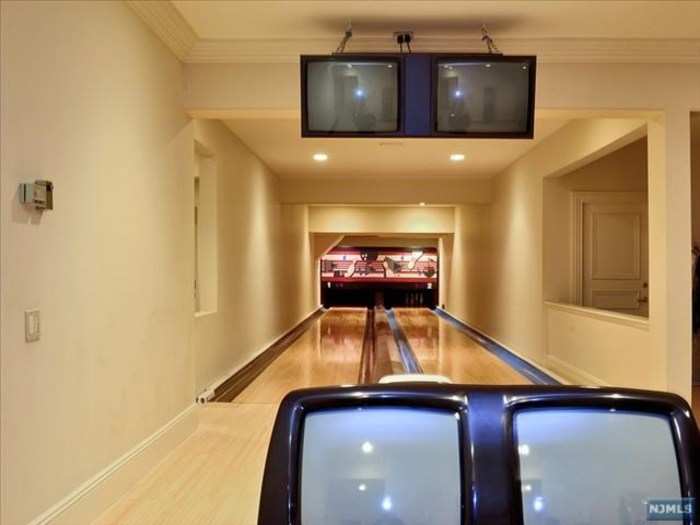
[[98, 493], [573, 373]]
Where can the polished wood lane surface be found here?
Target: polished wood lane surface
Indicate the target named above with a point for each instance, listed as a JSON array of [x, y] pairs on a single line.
[[328, 353], [444, 350], [214, 476]]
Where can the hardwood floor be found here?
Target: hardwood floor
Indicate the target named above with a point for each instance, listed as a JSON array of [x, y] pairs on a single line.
[[214, 476], [444, 350]]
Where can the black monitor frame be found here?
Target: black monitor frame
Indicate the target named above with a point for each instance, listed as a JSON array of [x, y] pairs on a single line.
[[424, 110], [491, 485], [305, 60], [493, 59]]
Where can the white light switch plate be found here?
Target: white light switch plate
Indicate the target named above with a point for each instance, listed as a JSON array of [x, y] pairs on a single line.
[[32, 326]]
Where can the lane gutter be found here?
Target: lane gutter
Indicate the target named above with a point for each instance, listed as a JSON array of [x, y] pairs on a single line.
[[368, 356], [408, 357], [530, 371]]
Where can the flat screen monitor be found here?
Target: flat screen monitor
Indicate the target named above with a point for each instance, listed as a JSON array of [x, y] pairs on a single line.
[[484, 96], [350, 96], [381, 465], [594, 466]]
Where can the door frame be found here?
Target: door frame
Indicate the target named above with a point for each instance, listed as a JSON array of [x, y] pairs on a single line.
[[578, 200]]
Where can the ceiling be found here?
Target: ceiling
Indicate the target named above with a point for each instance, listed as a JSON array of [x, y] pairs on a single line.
[[279, 144], [215, 19], [556, 30], [264, 31]]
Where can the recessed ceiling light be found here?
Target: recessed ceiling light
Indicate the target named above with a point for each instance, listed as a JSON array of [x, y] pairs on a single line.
[[457, 157], [421, 204], [320, 157]]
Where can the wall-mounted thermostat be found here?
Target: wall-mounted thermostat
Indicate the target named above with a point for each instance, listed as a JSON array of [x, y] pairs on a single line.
[[32, 325], [38, 194]]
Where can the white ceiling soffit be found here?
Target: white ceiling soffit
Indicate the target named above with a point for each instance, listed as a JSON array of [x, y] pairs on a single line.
[[272, 31], [279, 144]]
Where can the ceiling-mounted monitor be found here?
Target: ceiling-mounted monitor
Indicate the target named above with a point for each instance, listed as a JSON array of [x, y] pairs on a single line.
[[484, 96], [345, 95], [419, 95]]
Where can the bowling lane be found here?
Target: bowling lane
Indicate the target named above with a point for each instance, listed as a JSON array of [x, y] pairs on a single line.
[[328, 353], [214, 475], [444, 350]]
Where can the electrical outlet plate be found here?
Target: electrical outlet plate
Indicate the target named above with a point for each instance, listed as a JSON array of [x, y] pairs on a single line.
[[32, 326]]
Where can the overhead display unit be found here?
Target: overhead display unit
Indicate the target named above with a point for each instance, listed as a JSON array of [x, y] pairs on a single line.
[[490, 96], [346, 95], [420, 95]]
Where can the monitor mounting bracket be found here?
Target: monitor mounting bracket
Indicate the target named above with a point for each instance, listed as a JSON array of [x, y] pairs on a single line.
[[490, 44], [344, 41]]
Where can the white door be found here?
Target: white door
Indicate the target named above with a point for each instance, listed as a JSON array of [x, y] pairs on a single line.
[[615, 254]]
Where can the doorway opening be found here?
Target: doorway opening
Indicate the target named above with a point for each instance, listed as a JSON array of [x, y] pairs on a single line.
[[596, 247]]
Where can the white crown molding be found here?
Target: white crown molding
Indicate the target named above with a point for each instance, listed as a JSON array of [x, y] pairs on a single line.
[[562, 50], [172, 28], [168, 24]]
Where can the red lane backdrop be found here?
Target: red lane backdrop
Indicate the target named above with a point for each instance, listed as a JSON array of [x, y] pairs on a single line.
[[380, 265]]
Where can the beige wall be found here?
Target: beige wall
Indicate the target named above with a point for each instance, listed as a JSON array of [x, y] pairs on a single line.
[[263, 263], [385, 191], [507, 301], [621, 170], [381, 219], [514, 306], [464, 264], [593, 347], [244, 89], [299, 267], [91, 101]]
